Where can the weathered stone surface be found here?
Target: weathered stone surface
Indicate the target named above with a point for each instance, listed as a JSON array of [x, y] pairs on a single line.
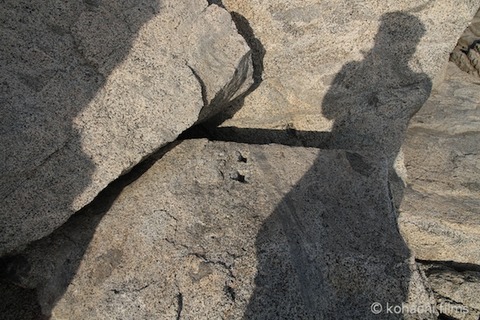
[[466, 54], [225, 230], [456, 288], [439, 215], [89, 88], [307, 43], [18, 303], [440, 209]]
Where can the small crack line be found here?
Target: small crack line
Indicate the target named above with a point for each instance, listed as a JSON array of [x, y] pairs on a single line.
[[179, 298], [203, 87]]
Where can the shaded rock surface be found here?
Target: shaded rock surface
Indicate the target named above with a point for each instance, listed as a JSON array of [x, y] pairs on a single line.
[[439, 215], [19, 303], [90, 88], [440, 208], [227, 230]]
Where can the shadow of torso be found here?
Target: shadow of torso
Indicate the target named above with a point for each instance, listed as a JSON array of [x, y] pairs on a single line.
[[332, 247]]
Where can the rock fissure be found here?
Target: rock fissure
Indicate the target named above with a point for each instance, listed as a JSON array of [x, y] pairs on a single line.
[[203, 88], [440, 266], [179, 305], [226, 266]]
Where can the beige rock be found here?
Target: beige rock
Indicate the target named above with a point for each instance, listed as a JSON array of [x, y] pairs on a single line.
[[228, 230], [307, 43], [439, 215], [440, 209], [456, 289], [88, 89]]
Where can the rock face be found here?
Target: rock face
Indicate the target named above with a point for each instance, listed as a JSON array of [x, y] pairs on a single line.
[[306, 44], [440, 207], [226, 230], [90, 88], [455, 287], [440, 210], [243, 228]]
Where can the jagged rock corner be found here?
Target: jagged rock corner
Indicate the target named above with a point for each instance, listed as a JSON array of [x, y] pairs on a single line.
[[466, 54], [313, 200]]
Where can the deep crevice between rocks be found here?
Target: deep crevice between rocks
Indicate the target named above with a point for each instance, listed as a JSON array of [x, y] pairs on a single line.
[[179, 305], [439, 266], [15, 267]]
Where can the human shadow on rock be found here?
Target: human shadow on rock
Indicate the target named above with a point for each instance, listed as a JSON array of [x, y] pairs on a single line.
[[55, 57], [332, 247]]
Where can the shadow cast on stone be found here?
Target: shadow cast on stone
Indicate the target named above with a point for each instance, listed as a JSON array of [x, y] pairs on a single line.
[[332, 246], [288, 137], [54, 259], [45, 83], [45, 268]]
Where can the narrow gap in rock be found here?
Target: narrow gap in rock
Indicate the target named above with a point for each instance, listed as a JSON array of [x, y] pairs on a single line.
[[203, 87], [450, 265], [199, 131], [180, 305], [443, 316]]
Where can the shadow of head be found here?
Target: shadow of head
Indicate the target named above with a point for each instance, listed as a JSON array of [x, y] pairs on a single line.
[[386, 65], [398, 35]]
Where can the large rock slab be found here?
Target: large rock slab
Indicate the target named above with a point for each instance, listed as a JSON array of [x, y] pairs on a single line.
[[90, 88], [306, 44], [439, 215], [217, 230], [440, 209]]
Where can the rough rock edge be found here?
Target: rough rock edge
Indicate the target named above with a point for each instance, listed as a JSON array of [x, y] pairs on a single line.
[[466, 54], [444, 304]]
